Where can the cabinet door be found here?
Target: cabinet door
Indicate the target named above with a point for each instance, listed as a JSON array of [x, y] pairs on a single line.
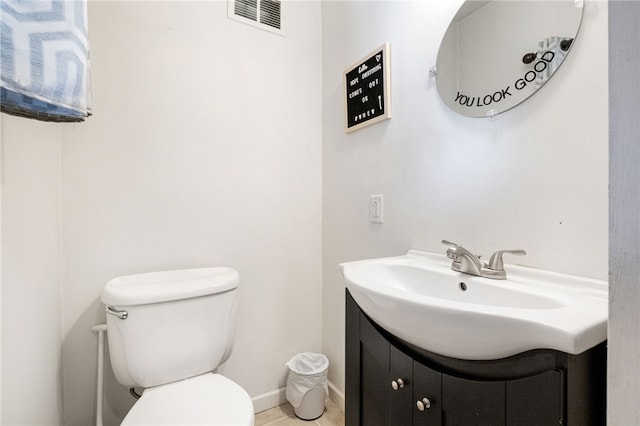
[[469, 402], [352, 360], [375, 385], [536, 400], [400, 398], [427, 384], [386, 380]]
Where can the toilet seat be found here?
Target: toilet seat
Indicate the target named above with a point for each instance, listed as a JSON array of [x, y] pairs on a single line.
[[208, 399]]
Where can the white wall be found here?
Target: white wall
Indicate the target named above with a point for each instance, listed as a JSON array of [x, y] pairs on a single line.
[[534, 178], [204, 149], [31, 258]]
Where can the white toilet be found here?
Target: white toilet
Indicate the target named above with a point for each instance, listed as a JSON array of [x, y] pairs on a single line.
[[167, 332]]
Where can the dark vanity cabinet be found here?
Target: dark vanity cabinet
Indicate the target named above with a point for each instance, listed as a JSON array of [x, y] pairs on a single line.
[[390, 382]]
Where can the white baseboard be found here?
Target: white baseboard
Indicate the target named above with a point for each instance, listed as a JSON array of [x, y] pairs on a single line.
[[269, 399], [277, 397], [336, 396]]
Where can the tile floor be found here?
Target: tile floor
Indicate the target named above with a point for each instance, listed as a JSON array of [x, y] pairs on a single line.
[[284, 416]]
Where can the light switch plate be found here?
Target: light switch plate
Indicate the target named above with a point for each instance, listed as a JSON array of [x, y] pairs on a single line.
[[376, 208]]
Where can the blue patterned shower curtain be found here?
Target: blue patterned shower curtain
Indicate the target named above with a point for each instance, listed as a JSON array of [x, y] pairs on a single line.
[[44, 59]]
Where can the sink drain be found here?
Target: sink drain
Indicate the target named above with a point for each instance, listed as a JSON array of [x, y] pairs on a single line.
[[463, 287]]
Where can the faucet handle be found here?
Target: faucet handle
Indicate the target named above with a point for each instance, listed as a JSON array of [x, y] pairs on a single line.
[[495, 262], [451, 250], [449, 243]]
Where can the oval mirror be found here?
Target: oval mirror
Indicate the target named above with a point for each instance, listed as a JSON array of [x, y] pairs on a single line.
[[495, 54]]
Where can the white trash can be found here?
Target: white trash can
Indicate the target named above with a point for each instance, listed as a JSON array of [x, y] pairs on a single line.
[[307, 384]]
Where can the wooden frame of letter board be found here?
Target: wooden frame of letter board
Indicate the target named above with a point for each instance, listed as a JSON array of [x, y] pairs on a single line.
[[385, 48]]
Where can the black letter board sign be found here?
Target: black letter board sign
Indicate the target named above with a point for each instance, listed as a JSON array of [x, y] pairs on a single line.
[[368, 90]]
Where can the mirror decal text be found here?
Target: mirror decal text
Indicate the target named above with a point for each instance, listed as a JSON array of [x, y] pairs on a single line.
[[529, 77]]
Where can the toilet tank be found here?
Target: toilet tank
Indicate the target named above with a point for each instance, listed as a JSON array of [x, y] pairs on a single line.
[[170, 325]]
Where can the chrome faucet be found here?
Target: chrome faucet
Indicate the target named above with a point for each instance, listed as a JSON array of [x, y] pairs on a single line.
[[463, 259], [466, 262]]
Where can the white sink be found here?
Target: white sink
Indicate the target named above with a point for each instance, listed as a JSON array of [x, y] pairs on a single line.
[[418, 298]]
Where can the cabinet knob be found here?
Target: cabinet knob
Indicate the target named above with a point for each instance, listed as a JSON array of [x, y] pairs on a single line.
[[397, 384], [424, 404]]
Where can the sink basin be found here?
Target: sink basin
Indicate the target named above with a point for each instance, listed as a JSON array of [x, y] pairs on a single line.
[[418, 298]]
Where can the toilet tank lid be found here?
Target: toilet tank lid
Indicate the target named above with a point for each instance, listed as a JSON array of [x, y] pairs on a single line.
[[165, 286]]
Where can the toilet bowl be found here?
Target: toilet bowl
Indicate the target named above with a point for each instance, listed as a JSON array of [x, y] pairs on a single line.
[[208, 399], [168, 331]]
